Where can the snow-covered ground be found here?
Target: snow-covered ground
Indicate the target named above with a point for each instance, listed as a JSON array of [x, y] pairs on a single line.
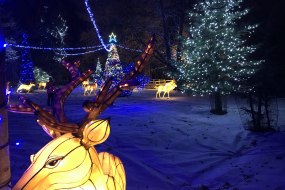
[[167, 144]]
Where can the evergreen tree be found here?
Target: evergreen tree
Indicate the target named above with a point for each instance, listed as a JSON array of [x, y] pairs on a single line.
[[12, 33], [98, 75], [59, 31], [113, 67], [41, 75], [215, 55], [26, 71]]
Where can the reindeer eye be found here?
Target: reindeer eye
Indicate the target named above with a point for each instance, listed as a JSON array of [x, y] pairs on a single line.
[[53, 162]]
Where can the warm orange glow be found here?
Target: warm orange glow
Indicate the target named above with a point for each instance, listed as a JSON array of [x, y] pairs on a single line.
[[84, 83], [42, 85], [25, 87], [89, 88], [165, 88], [70, 162]]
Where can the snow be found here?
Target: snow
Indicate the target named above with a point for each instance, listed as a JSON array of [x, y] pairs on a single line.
[[171, 143]]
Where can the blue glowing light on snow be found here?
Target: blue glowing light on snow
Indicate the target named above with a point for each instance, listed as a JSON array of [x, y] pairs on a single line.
[[17, 144], [2, 42]]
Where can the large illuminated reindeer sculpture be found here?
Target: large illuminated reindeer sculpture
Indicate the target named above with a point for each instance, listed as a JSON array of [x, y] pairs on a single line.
[[70, 161]]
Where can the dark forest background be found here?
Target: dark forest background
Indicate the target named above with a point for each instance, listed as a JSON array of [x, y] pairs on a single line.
[[133, 22]]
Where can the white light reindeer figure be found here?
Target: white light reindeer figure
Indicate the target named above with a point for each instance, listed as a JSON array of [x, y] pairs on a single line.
[[165, 88], [70, 161]]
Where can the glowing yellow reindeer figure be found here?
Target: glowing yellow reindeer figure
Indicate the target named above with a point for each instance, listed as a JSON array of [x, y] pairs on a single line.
[[42, 85], [85, 83], [70, 161], [25, 87], [89, 88], [165, 88]]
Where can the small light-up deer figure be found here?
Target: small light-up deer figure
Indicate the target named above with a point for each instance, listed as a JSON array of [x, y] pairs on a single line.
[[42, 85], [27, 87], [165, 88], [70, 161], [84, 83], [89, 88]]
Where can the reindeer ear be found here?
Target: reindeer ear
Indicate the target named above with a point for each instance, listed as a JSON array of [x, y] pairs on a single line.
[[95, 132]]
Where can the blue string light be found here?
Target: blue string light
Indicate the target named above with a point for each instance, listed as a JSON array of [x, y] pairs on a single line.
[[130, 49], [49, 48], [82, 53], [95, 26], [68, 48]]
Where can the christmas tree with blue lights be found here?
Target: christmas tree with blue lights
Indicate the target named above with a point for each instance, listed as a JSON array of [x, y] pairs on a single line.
[[113, 67], [27, 66], [215, 56]]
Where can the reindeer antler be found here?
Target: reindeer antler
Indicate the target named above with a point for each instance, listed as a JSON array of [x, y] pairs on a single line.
[[55, 122], [62, 93], [106, 97]]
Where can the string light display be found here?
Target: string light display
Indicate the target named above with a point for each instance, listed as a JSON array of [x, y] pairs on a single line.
[[50, 48], [82, 53], [27, 66], [95, 26], [68, 49], [98, 74], [215, 56], [130, 49], [112, 38], [107, 47], [113, 66]]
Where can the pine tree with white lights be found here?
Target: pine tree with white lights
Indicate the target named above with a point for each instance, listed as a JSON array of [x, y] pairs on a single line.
[[41, 75], [59, 32], [215, 55], [27, 66], [113, 67], [98, 75]]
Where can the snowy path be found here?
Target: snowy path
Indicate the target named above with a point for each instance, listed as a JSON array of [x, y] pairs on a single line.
[[170, 144]]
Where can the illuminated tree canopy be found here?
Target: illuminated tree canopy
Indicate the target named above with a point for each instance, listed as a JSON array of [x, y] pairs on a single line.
[[215, 56]]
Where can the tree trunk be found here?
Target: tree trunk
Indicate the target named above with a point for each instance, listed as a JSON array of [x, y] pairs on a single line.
[[252, 111], [165, 31], [5, 174], [259, 108], [218, 104]]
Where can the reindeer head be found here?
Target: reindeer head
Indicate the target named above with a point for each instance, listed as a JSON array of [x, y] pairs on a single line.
[[70, 161]]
